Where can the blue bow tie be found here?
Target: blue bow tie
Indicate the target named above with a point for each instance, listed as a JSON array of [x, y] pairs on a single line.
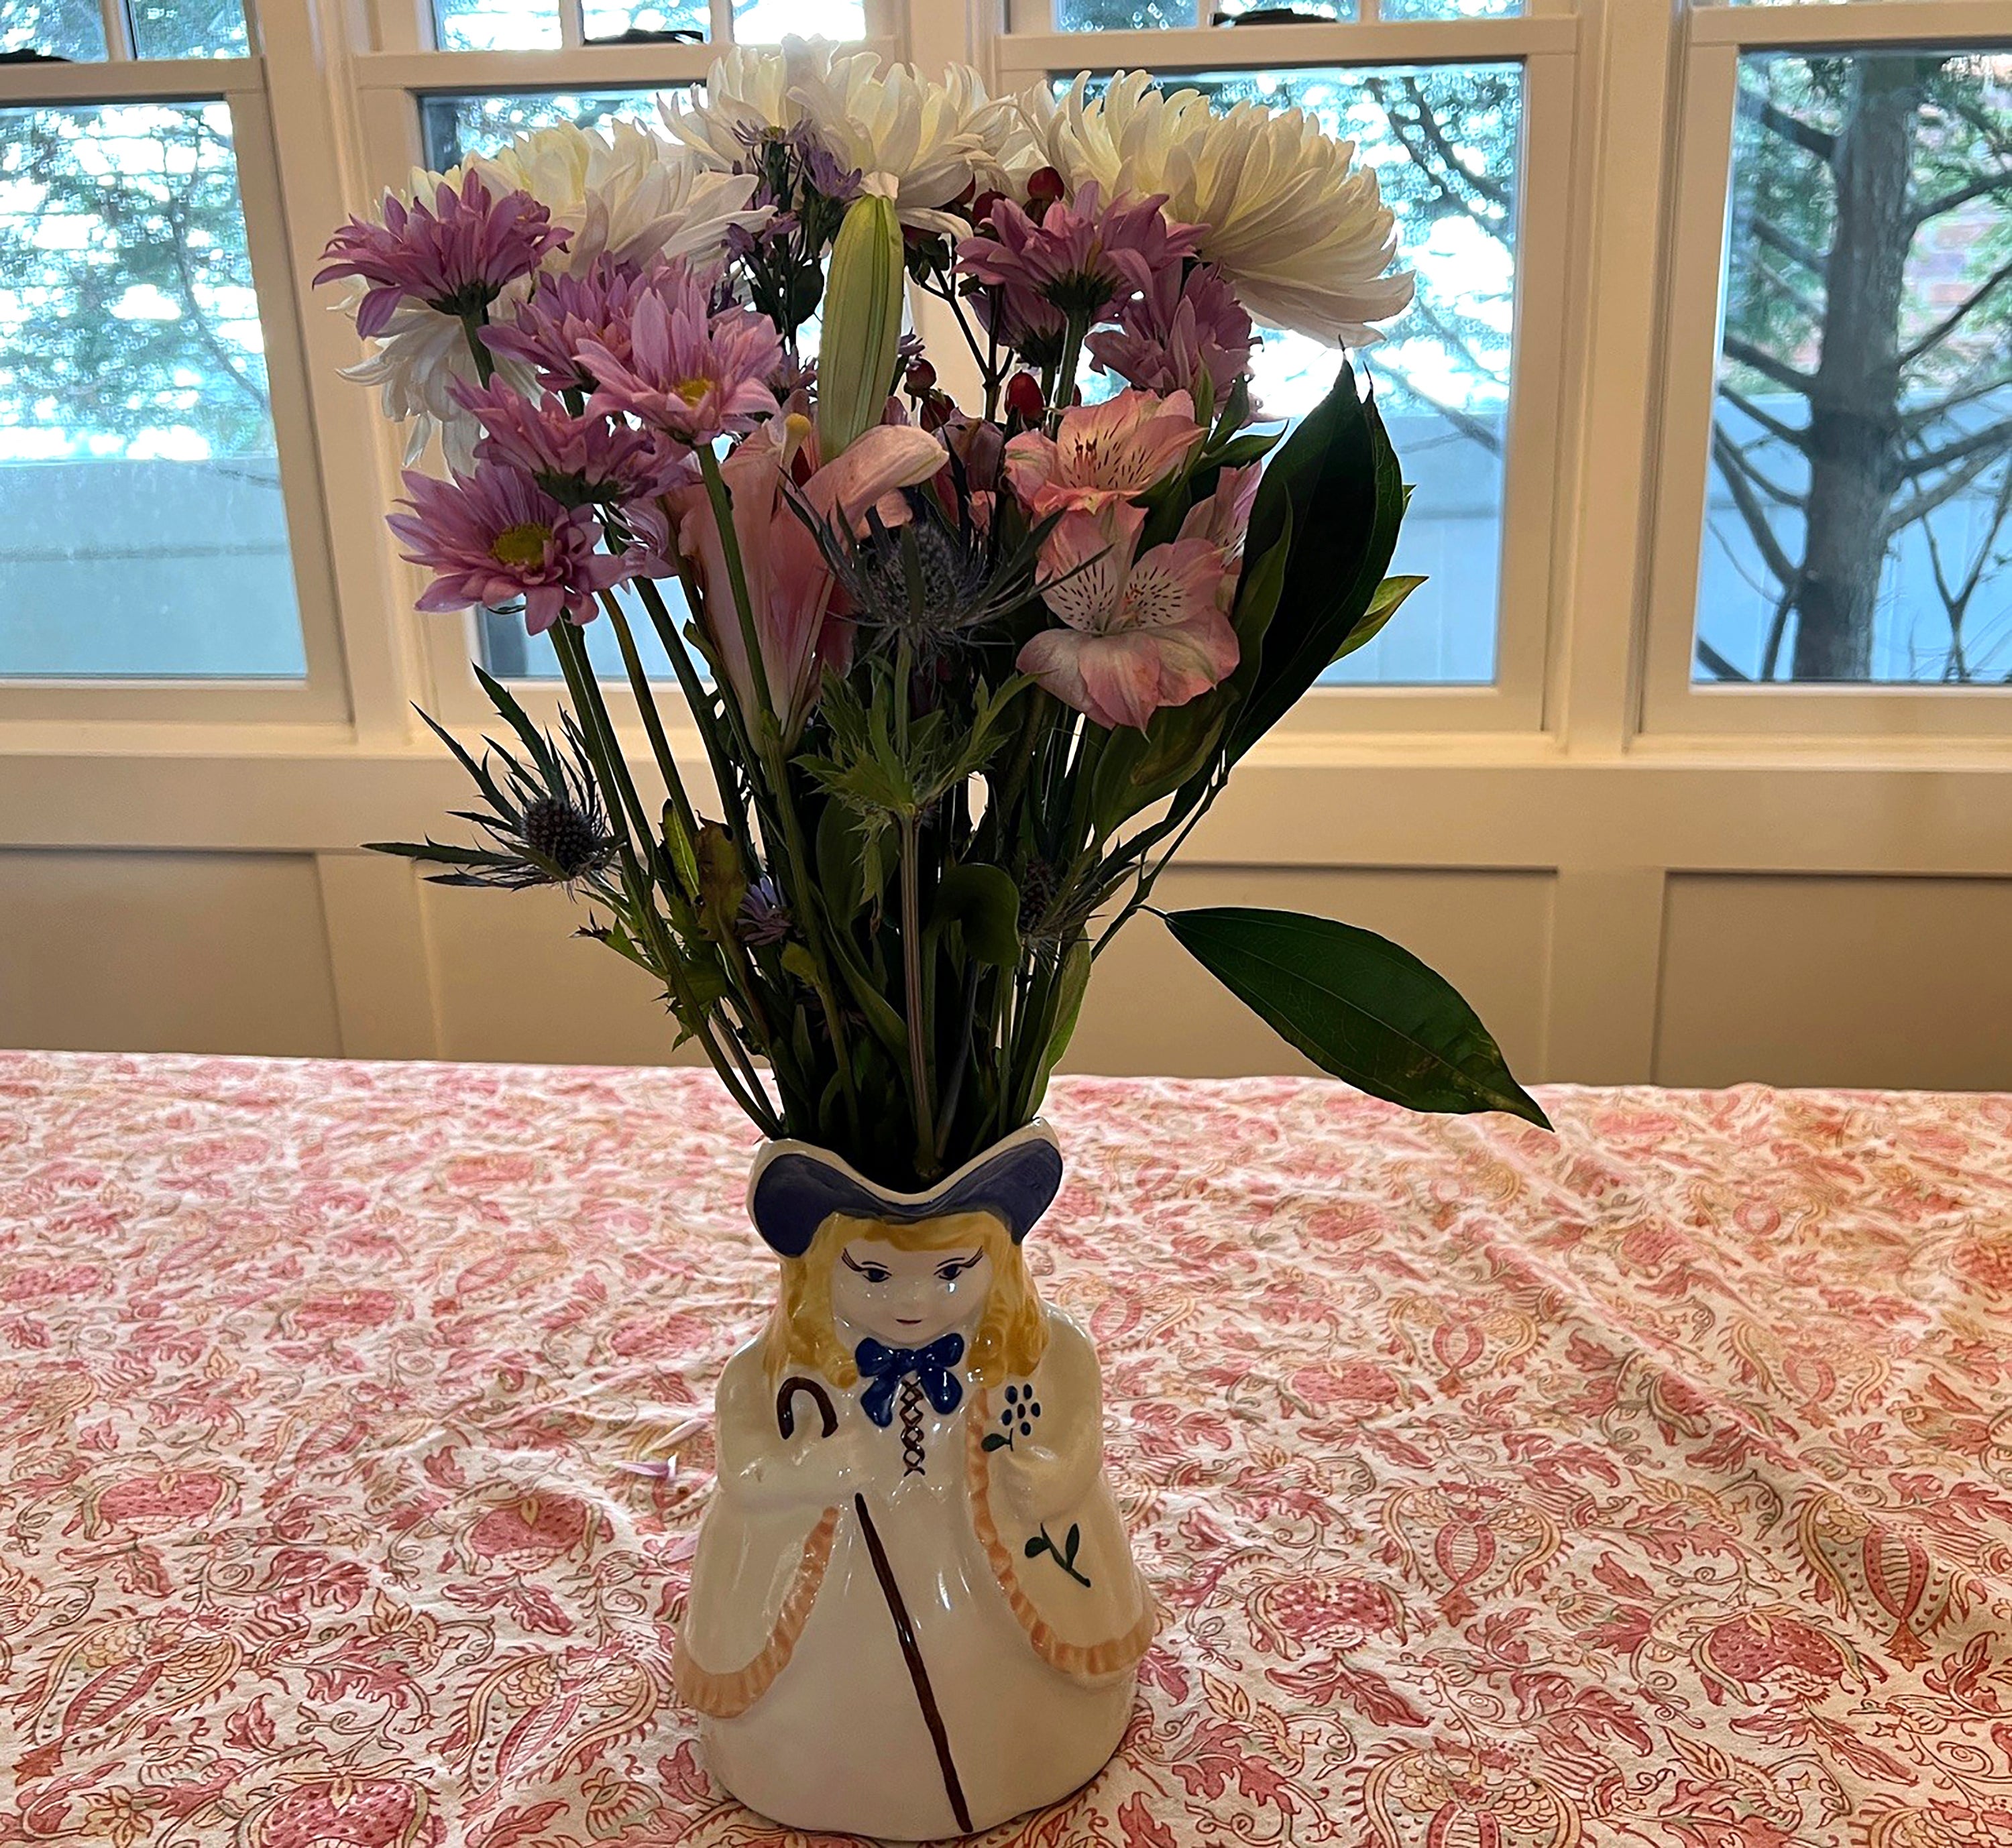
[[887, 1367]]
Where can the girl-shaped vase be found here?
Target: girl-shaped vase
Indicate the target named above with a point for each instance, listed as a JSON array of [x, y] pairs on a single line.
[[914, 1612]]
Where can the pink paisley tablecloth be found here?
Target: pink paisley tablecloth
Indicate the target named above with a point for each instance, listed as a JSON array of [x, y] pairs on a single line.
[[1651, 1485]]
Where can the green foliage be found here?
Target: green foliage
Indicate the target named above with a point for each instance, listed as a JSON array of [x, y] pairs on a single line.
[[1359, 1006]]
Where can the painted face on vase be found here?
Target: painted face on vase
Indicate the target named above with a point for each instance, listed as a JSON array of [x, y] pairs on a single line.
[[907, 1298]]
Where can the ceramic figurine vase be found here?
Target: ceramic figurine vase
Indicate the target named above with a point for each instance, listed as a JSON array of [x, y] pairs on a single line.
[[914, 1612]]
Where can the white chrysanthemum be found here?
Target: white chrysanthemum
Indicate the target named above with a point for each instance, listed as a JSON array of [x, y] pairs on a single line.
[[918, 143], [1301, 233], [623, 190], [412, 364]]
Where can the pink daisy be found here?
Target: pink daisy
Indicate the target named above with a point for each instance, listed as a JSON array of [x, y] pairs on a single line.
[[578, 460], [494, 536], [1181, 333], [456, 257], [685, 370], [546, 331], [1144, 629], [1082, 258]]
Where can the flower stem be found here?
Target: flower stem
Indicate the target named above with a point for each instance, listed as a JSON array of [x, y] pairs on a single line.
[[646, 704]]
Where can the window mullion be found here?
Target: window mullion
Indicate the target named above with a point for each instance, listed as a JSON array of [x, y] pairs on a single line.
[[118, 20]]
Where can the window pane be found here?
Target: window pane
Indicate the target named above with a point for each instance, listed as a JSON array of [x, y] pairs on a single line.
[[189, 29], [767, 22], [610, 19], [1446, 144], [453, 127], [1122, 15], [497, 25], [1227, 12], [1451, 9], [142, 533], [1859, 519], [72, 29]]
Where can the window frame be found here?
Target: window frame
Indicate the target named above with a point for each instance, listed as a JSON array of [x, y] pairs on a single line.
[[1546, 40], [1672, 707], [323, 695]]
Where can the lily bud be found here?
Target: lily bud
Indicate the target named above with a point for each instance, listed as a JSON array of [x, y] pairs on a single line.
[[863, 301]]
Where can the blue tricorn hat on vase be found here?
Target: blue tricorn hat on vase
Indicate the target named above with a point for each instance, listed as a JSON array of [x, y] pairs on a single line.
[[796, 1187]]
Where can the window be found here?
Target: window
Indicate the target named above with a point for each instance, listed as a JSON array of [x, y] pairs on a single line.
[[1833, 542], [546, 25], [133, 369], [1446, 141], [1859, 523]]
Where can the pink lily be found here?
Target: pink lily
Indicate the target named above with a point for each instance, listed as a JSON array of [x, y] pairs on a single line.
[[789, 586], [1143, 629], [1102, 453]]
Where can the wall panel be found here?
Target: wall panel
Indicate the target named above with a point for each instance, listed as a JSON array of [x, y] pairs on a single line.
[[1153, 1008], [1837, 981], [149, 951]]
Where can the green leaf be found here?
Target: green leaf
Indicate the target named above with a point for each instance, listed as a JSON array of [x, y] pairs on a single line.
[[984, 900], [1037, 1546], [1358, 1006], [1074, 980], [1389, 598], [995, 1441], [721, 883], [1335, 487]]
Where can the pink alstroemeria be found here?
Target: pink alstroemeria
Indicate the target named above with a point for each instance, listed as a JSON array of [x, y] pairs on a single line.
[[1081, 257], [1103, 453], [1223, 519], [494, 536], [547, 330], [578, 460], [1183, 334], [696, 375], [457, 256], [1145, 629], [789, 586]]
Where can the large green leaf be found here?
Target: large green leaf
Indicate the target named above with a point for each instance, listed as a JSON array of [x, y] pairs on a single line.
[[1333, 488], [1358, 1006]]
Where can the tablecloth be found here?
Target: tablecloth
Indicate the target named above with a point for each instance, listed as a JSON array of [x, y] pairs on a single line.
[[1648, 1484]]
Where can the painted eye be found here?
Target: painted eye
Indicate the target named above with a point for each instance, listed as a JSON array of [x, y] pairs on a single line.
[[874, 1273]]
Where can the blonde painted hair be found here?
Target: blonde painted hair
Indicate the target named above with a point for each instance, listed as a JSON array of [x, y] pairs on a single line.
[[1011, 1335]]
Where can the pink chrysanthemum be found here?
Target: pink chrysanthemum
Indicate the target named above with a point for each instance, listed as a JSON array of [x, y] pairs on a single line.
[[1144, 629], [547, 330], [683, 368], [456, 257], [1181, 333], [1082, 258], [494, 536], [578, 460]]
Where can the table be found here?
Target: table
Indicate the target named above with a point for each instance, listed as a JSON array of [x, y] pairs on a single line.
[[1652, 1484]]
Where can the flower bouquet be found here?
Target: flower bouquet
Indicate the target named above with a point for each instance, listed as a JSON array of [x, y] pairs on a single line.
[[963, 672]]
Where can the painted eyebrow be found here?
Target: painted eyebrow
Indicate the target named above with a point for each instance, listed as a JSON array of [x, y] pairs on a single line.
[[960, 1263], [851, 1263]]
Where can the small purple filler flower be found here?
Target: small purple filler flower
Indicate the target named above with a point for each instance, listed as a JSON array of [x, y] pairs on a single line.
[[456, 258], [1082, 258], [495, 536], [685, 370]]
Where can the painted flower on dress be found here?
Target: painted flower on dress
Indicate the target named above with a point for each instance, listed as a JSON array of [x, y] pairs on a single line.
[[1103, 453], [456, 256], [683, 368], [1143, 629], [494, 536]]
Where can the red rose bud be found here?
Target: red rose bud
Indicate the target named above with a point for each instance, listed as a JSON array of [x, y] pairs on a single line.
[[1045, 184], [1023, 397], [981, 207], [921, 378]]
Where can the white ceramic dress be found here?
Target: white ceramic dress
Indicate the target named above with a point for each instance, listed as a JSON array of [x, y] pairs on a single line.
[[1005, 1563]]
